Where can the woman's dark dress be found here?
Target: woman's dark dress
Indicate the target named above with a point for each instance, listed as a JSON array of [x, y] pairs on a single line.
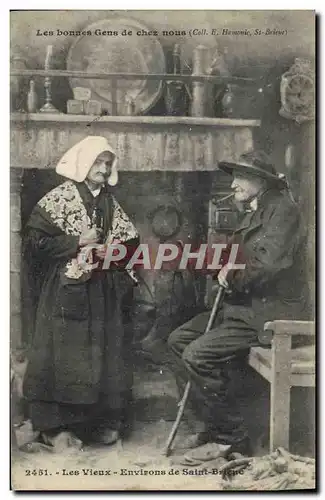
[[80, 360]]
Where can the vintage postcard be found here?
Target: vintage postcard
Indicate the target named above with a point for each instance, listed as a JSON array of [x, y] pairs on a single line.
[[162, 266]]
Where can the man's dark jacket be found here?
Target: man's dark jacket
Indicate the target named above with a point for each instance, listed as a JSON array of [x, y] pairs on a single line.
[[273, 283]]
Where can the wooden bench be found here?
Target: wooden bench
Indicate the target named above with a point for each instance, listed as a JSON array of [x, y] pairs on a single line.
[[284, 368]]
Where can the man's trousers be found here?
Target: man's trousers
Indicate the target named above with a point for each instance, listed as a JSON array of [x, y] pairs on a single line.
[[209, 360]]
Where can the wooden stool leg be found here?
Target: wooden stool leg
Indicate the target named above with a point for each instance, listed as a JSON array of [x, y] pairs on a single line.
[[280, 392]]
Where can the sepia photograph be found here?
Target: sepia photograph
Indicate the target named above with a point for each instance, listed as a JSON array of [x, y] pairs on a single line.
[[162, 250]]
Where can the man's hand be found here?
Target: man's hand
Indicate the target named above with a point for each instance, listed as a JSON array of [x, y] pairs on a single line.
[[222, 276], [89, 237]]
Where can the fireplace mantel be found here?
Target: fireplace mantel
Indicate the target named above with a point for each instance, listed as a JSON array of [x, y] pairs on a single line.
[[142, 143]]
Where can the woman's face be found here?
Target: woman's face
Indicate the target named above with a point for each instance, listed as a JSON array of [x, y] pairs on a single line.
[[101, 169]]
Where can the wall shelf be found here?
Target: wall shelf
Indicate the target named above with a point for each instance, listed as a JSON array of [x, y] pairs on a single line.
[[142, 143], [141, 120]]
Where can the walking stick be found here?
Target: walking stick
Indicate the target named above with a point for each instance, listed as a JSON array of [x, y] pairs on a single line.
[[183, 401]]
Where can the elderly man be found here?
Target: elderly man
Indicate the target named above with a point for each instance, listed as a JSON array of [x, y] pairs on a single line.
[[269, 237]]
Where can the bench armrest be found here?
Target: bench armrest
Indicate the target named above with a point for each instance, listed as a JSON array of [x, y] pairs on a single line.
[[290, 327]]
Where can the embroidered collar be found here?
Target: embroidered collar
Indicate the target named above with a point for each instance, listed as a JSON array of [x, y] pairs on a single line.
[[67, 210]]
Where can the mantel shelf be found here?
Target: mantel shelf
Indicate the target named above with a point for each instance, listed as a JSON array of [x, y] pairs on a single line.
[[141, 120], [142, 143]]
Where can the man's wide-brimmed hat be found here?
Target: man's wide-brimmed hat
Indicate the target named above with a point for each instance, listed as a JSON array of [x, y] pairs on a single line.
[[254, 163]]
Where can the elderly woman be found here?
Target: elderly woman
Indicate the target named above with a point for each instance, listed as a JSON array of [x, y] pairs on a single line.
[[78, 378]]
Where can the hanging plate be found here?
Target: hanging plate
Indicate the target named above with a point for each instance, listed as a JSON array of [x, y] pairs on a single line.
[[166, 221], [118, 54]]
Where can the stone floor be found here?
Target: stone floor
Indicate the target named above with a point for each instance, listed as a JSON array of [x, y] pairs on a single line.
[[137, 463]]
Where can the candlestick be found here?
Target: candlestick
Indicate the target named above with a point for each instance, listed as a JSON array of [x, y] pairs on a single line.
[[48, 106]]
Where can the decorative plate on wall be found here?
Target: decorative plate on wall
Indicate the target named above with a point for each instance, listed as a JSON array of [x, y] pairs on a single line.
[[118, 54], [165, 221]]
